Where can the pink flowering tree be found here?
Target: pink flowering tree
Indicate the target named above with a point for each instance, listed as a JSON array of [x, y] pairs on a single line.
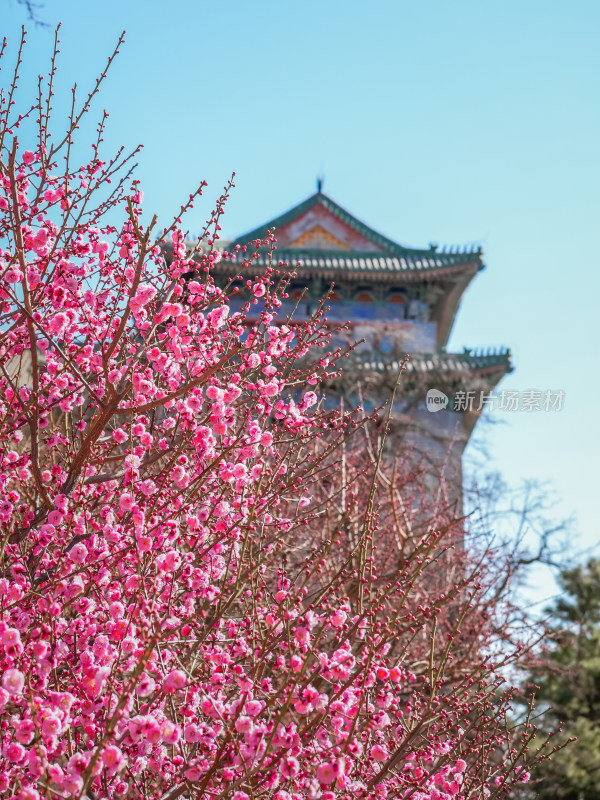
[[199, 598]]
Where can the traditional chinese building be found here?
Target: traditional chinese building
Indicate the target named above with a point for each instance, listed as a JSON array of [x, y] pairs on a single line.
[[400, 300]]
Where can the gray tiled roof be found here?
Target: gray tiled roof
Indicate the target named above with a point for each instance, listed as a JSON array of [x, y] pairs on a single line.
[[370, 263], [456, 363]]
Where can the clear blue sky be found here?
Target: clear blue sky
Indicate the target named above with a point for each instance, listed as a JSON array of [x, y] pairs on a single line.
[[454, 122]]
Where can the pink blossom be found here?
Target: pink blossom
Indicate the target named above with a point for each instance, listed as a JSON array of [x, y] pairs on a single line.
[[221, 509], [174, 681], [28, 793], [231, 394], [145, 293], [289, 767], [119, 434], [170, 732], [379, 753], [112, 757], [296, 663], [126, 501], [214, 393], [51, 725], [338, 618], [395, 674], [13, 681], [302, 635], [218, 316], [78, 553], [10, 638], [198, 587], [254, 707], [14, 752], [146, 686], [72, 783], [96, 681], [193, 773], [192, 733], [244, 724], [13, 275], [194, 404], [24, 731], [326, 773]]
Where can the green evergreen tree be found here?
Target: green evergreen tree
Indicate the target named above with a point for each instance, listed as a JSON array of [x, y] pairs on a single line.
[[568, 677]]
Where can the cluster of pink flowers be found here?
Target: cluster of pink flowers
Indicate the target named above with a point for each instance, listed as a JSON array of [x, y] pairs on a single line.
[[156, 638]]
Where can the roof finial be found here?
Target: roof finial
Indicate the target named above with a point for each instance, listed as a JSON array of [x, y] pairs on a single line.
[[320, 180]]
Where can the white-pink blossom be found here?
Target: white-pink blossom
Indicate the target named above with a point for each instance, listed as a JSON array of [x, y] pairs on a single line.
[[13, 681]]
